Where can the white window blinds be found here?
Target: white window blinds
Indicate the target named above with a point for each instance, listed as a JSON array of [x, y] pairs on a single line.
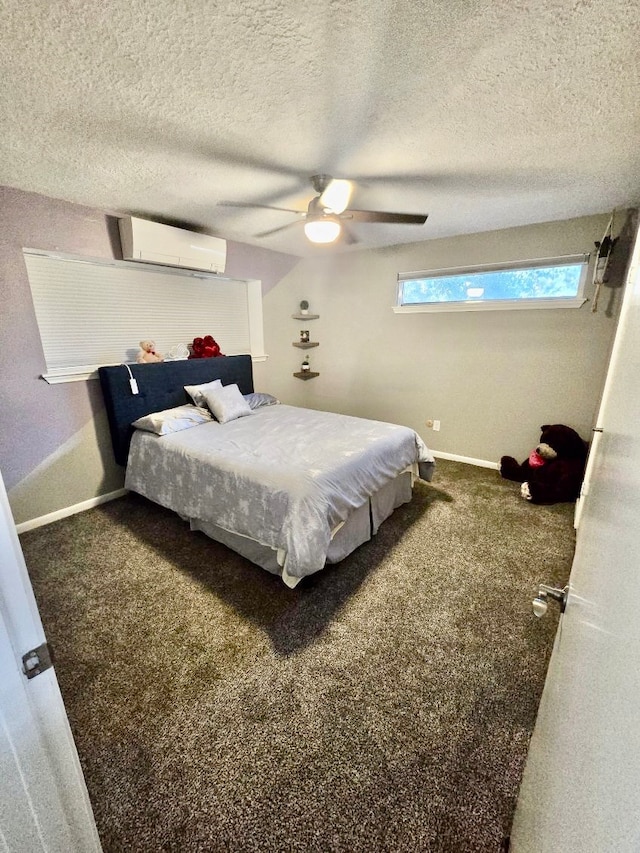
[[93, 312]]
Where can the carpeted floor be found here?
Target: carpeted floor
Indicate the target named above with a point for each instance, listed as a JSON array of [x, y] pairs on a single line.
[[386, 704]]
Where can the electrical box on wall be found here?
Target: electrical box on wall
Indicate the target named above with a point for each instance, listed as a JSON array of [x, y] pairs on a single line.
[[154, 243]]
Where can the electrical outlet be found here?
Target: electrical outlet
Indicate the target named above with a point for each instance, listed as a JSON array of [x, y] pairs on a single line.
[[429, 423], [436, 426]]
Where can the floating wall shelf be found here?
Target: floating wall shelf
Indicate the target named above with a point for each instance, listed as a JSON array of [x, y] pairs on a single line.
[[306, 374]]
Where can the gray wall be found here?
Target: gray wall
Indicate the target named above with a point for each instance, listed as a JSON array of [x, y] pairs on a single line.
[[492, 378], [55, 449]]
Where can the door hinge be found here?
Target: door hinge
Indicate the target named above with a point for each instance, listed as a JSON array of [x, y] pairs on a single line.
[[37, 660]]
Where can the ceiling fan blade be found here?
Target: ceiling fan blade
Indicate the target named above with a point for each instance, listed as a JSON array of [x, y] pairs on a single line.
[[392, 218], [259, 206], [275, 230]]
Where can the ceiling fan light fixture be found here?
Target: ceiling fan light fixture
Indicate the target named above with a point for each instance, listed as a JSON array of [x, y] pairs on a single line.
[[336, 196], [324, 229]]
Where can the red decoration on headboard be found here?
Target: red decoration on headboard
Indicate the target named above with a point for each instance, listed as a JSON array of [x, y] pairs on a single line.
[[204, 348]]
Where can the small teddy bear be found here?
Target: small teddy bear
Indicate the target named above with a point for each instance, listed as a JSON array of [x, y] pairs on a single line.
[[148, 353]]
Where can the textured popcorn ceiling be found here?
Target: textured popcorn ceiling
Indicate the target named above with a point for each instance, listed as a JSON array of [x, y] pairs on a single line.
[[483, 114]]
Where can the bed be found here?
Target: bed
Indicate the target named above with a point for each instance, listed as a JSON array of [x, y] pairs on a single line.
[[290, 489]]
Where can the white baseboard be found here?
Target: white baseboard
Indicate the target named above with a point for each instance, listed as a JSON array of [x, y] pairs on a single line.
[[101, 499], [481, 463], [69, 510]]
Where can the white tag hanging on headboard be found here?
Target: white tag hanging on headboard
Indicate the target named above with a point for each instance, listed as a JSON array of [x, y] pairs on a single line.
[[132, 381]]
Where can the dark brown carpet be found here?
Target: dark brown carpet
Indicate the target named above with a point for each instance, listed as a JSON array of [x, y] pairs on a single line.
[[386, 704]]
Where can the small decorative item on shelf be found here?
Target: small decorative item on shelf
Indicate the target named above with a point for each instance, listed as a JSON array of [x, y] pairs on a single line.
[[305, 366], [148, 353], [205, 347], [304, 307], [178, 352], [304, 336]]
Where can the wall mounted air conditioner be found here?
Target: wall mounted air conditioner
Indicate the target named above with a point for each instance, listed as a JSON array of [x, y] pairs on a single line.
[[163, 244]]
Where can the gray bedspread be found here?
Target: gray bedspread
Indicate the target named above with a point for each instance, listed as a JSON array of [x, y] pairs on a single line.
[[283, 476]]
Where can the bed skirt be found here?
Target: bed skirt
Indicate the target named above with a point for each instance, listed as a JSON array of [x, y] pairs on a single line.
[[361, 525]]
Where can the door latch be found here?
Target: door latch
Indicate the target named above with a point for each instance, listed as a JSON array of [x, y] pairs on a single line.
[[541, 601], [37, 660]]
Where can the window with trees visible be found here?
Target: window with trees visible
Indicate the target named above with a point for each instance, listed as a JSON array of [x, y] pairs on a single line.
[[546, 283]]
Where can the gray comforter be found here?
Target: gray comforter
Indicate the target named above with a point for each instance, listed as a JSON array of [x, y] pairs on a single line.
[[283, 476]]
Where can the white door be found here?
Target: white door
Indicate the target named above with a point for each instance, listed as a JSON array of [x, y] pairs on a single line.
[[44, 804], [581, 786]]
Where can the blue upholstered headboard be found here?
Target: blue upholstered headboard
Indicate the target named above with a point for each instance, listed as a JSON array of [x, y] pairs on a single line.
[[161, 386]]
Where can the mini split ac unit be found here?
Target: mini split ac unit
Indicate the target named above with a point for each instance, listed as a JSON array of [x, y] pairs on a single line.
[[163, 244]]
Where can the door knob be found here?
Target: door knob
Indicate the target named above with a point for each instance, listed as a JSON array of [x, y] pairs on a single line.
[[541, 601]]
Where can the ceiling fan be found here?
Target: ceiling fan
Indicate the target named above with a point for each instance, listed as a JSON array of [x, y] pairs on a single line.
[[326, 213]]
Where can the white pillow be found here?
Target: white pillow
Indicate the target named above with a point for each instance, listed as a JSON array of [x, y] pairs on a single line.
[[196, 392], [227, 403], [173, 420]]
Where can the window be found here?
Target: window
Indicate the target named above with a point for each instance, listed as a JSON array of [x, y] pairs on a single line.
[[547, 283], [92, 312]]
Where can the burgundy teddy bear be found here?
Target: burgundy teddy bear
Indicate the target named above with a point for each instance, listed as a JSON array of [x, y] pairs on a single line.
[[554, 471], [204, 348]]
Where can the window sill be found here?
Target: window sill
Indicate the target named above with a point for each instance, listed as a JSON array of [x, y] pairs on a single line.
[[505, 305], [90, 371], [71, 374]]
